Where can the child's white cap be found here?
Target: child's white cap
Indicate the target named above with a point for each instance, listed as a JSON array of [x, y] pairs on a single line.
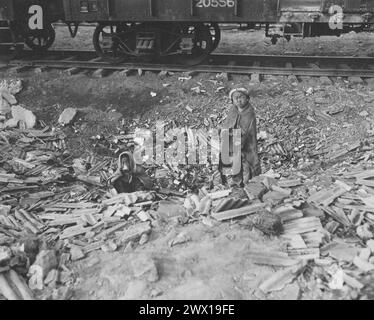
[[242, 90]]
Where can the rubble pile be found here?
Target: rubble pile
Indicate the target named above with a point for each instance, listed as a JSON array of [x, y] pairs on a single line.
[[56, 209], [298, 127], [304, 129], [331, 226]]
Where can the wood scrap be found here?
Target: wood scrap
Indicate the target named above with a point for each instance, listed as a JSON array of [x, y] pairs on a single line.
[[24, 291], [236, 213], [109, 231], [294, 241], [74, 231], [352, 282], [280, 279], [288, 213], [302, 225], [343, 220], [326, 197], [219, 194], [134, 232], [304, 254], [289, 183], [6, 289]]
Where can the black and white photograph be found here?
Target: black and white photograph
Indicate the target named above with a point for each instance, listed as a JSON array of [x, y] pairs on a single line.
[[186, 155]]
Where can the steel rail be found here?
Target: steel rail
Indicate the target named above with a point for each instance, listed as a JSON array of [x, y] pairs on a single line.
[[241, 57], [235, 69]]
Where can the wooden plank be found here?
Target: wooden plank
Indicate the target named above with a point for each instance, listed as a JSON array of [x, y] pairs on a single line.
[[295, 241], [326, 197], [313, 239], [70, 232], [93, 246], [29, 225], [288, 213], [6, 290], [339, 213], [289, 183], [302, 225], [219, 194], [21, 285], [335, 216], [361, 175], [64, 222], [352, 282], [74, 205], [367, 183], [111, 230], [355, 207], [235, 213], [134, 232], [32, 219], [304, 254]]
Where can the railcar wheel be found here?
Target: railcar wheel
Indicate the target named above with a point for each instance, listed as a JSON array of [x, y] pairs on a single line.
[[215, 31], [106, 41], [40, 40], [201, 44]]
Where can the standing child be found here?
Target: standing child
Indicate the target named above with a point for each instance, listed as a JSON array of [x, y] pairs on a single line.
[[242, 116]]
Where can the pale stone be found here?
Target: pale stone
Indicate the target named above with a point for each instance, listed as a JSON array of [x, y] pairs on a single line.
[[11, 123], [67, 116], [21, 114]]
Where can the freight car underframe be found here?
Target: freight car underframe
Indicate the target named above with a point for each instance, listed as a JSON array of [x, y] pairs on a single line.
[[186, 42], [190, 43]]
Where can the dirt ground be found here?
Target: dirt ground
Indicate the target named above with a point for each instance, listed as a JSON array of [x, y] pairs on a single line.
[[214, 264]]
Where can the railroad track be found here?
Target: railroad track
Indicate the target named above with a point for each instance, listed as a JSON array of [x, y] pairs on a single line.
[[281, 65]]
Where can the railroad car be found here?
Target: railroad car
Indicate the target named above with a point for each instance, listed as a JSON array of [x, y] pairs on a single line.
[[184, 30], [14, 23], [188, 30]]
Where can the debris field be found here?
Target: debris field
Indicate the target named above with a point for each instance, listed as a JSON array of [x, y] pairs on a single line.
[[304, 229]]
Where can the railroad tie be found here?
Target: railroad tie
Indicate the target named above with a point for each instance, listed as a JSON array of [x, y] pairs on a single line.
[[99, 73], [19, 69], [71, 71], [292, 78], [324, 80], [256, 77], [351, 79], [124, 73]]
